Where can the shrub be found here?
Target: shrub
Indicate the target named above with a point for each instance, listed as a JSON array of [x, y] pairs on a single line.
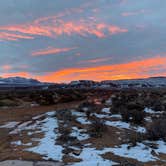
[[156, 130], [134, 116], [88, 113], [134, 106], [157, 106], [97, 128], [43, 98], [125, 115], [132, 112], [136, 137], [65, 115], [65, 135], [137, 117], [86, 106], [8, 103]]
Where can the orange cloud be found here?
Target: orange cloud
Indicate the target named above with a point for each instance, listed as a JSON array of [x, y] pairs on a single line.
[[50, 50], [135, 69], [20, 74]]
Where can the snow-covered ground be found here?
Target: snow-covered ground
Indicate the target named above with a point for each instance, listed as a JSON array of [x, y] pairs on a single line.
[[118, 123], [81, 117], [47, 145], [92, 157], [141, 151]]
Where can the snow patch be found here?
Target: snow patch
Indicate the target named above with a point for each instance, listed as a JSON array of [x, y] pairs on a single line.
[[161, 146], [118, 124], [78, 134], [83, 120], [124, 125], [140, 152], [109, 101], [81, 117], [101, 115], [47, 145], [91, 157], [10, 125], [150, 111], [23, 126], [116, 116], [19, 143], [148, 119], [78, 114], [38, 117], [106, 110]]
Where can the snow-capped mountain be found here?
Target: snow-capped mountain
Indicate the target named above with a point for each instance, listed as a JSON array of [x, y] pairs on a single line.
[[128, 83], [18, 81]]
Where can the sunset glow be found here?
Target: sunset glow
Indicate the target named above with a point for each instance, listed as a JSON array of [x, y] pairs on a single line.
[[130, 70], [61, 41]]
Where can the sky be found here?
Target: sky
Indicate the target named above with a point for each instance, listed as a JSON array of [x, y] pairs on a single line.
[[65, 40]]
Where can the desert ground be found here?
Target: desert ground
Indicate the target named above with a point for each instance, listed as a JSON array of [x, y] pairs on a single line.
[[83, 127]]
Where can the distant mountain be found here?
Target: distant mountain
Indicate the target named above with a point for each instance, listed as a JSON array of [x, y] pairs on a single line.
[[147, 82], [18, 80], [127, 83]]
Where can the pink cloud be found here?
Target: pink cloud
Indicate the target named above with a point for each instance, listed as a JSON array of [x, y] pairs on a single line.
[[13, 37], [97, 60], [53, 26], [50, 50], [6, 67]]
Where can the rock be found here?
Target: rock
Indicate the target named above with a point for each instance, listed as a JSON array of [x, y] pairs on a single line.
[[77, 152], [154, 153], [16, 163]]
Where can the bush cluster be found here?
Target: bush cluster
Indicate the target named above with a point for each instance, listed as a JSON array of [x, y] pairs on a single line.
[[156, 130]]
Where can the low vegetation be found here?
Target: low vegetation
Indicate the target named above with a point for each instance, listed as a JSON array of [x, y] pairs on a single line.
[[156, 130], [123, 120], [97, 128]]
